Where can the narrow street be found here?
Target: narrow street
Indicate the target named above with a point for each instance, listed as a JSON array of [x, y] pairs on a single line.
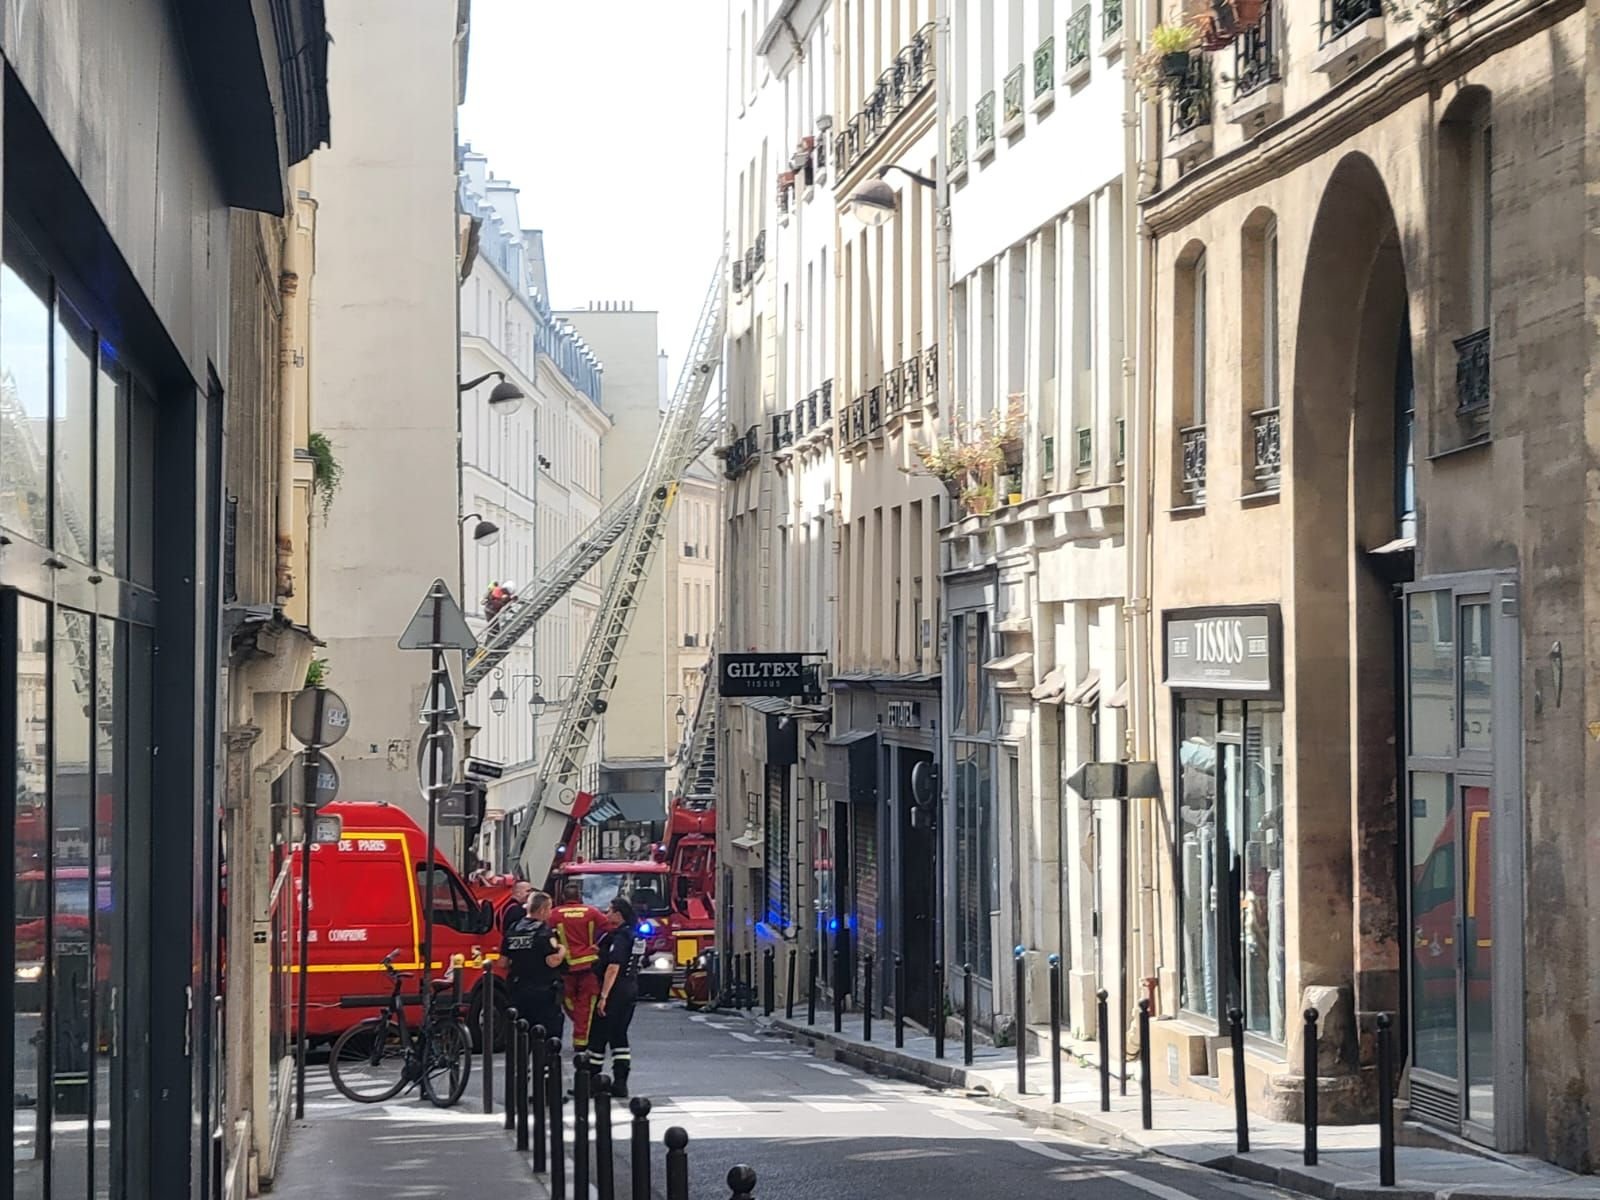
[[812, 1128]]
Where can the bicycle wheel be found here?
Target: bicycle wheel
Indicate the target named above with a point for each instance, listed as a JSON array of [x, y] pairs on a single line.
[[368, 1060], [447, 1059]]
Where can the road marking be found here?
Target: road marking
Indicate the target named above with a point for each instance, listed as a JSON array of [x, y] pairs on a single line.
[[1044, 1151], [839, 1104], [710, 1105], [831, 1070], [962, 1120], [1150, 1186], [744, 1037]]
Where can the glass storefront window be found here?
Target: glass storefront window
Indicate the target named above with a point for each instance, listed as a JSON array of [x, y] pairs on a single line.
[[1478, 930], [1433, 923], [30, 900], [25, 398], [1197, 837], [1432, 662], [73, 432], [110, 747], [1477, 700], [976, 848], [1262, 871]]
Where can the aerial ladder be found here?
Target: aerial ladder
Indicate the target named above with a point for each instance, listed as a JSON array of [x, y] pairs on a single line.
[[512, 623], [545, 821]]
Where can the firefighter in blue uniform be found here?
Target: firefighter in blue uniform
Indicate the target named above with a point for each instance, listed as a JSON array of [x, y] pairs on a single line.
[[535, 954], [618, 968]]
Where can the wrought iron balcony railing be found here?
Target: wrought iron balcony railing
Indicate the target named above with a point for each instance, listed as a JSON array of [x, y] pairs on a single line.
[[1264, 428], [1339, 17], [930, 374], [827, 400], [1083, 460], [896, 90], [875, 409], [1193, 444], [1013, 95], [892, 390], [1044, 67], [760, 249], [1110, 18], [958, 143], [1190, 98], [1254, 56], [738, 274], [910, 383], [1078, 39], [858, 419], [1472, 373], [983, 122]]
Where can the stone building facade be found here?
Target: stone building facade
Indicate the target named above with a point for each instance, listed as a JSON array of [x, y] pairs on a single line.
[[1374, 266]]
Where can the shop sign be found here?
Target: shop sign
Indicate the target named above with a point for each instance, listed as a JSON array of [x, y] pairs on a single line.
[[1224, 649], [904, 714], [761, 675]]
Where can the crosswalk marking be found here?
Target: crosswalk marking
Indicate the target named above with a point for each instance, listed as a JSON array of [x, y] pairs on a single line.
[[828, 1067], [1044, 1151], [962, 1120], [838, 1104]]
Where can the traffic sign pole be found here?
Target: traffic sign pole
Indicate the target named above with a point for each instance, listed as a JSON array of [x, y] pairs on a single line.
[[434, 729], [308, 820]]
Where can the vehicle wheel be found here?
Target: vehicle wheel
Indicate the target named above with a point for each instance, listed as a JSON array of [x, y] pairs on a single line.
[[368, 1061], [448, 1063]]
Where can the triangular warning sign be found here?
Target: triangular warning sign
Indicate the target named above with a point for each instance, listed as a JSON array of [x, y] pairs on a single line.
[[452, 626]]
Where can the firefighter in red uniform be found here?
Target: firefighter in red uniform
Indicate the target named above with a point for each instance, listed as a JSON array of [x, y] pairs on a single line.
[[579, 926]]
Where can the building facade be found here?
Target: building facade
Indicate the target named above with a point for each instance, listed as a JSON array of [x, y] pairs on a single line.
[[1374, 295], [384, 369], [1034, 567], [534, 473], [777, 461], [140, 408]]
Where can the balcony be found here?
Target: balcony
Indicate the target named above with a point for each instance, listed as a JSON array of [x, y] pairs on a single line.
[[1193, 444], [738, 274], [1339, 17], [740, 454], [1472, 383], [1044, 74], [1078, 45], [760, 250], [930, 375], [1012, 99], [1110, 19], [858, 419], [958, 148], [875, 411], [893, 393], [896, 91], [1189, 99], [1352, 34], [827, 400], [1268, 466], [1257, 92], [911, 384], [983, 126]]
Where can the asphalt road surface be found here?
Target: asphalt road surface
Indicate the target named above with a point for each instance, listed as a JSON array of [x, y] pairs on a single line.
[[815, 1130]]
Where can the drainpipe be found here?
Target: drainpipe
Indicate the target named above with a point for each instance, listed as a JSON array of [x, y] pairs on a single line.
[[1141, 162], [944, 64], [291, 384]]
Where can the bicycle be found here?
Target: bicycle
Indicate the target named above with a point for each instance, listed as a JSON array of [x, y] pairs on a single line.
[[379, 1057]]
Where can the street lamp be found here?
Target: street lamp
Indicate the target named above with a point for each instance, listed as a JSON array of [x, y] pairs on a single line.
[[484, 533], [499, 701], [506, 397], [875, 201]]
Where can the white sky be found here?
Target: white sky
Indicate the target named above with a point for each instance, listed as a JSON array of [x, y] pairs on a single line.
[[608, 116]]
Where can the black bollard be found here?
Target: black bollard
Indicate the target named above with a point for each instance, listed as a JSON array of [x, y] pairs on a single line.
[[604, 1162], [788, 991], [558, 1140], [811, 998], [486, 988], [749, 980], [1241, 1104], [1309, 1070], [1019, 957], [741, 1183], [511, 1069], [938, 1010], [838, 986], [1102, 1016], [519, 1098], [537, 1091], [1385, 1102], [677, 1164], [866, 997], [966, 1013], [769, 981], [1146, 1116], [640, 1107], [899, 1002], [581, 1079], [1055, 1029]]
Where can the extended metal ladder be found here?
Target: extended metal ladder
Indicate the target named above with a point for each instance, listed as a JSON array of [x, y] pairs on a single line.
[[545, 819], [512, 623]]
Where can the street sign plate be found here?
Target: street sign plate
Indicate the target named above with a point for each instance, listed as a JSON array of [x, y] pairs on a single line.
[[303, 717], [327, 785], [480, 768], [459, 805], [453, 631], [443, 752]]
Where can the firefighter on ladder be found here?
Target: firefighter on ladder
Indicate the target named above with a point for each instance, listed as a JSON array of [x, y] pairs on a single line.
[[579, 926]]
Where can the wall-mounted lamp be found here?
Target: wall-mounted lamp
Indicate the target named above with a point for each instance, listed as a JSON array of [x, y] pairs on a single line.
[[875, 202], [506, 397], [484, 533]]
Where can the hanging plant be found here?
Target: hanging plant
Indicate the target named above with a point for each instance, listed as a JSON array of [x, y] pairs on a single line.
[[326, 473], [317, 673], [1167, 57]]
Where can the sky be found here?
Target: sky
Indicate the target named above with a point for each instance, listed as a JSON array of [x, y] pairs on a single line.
[[608, 115]]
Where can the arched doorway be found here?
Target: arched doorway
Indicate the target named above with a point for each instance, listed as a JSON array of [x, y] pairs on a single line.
[[1353, 538]]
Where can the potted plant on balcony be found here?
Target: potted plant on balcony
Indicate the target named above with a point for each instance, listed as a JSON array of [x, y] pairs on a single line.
[[1008, 429], [1167, 57], [978, 498]]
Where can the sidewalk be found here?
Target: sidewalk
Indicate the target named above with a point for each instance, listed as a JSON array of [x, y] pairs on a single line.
[[405, 1150], [1195, 1131]]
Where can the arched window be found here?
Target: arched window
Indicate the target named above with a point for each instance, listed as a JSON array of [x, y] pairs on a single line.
[[1466, 153], [1259, 354]]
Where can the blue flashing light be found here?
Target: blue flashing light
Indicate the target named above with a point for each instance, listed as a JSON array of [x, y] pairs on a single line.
[[833, 925], [646, 928]]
